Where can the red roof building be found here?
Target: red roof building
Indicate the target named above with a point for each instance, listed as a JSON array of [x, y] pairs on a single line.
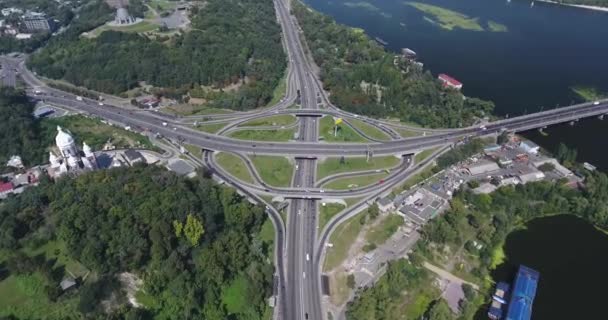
[[6, 187], [449, 81]]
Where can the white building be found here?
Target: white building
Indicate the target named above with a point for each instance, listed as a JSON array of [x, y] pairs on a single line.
[[529, 147], [483, 167], [70, 159]]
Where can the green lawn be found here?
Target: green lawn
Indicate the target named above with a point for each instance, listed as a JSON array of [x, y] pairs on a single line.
[[342, 238], [264, 135], [276, 171], [194, 151], [96, 133], [384, 229], [210, 128], [345, 133], [407, 133], [332, 165], [234, 165], [369, 130], [141, 27], [278, 120], [24, 295], [194, 109], [327, 211], [355, 182], [420, 156]]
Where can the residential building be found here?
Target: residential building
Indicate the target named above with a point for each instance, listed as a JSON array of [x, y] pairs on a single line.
[[529, 147], [449, 82], [36, 22], [482, 167], [134, 156], [385, 204]]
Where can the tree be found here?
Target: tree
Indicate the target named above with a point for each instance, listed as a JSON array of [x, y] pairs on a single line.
[[546, 167], [178, 227], [193, 230], [350, 281], [440, 311]]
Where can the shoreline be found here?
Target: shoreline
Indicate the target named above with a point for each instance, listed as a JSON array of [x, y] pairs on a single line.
[[581, 6]]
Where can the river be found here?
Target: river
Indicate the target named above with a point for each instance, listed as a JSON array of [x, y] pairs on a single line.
[[520, 57], [570, 255]]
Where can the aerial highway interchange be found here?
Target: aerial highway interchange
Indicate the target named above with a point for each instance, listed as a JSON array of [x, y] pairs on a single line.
[[299, 244]]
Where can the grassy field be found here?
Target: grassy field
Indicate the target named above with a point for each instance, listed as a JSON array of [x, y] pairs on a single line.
[[345, 134], [354, 182], [447, 19], [407, 133], [234, 165], [141, 27], [342, 238], [420, 156], [264, 135], [588, 93], [327, 211], [194, 109], [369, 130], [276, 171], [96, 133], [384, 229], [210, 128], [332, 165], [24, 296], [278, 120], [338, 288], [266, 235], [194, 151]]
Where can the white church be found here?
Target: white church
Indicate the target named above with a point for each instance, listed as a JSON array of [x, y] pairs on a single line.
[[70, 159]]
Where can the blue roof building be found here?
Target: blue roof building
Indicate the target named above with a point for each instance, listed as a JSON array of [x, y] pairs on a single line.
[[522, 296]]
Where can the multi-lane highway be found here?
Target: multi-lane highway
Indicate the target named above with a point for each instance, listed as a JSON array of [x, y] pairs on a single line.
[[298, 252]]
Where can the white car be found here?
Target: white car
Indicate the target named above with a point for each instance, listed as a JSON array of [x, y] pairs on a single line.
[[596, 103], [307, 257], [322, 190]]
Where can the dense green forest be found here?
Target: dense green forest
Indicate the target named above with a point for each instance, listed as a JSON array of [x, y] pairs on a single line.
[[350, 61], [195, 245], [230, 41], [19, 131]]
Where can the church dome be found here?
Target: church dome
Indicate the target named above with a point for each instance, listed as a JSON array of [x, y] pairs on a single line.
[[63, 139]]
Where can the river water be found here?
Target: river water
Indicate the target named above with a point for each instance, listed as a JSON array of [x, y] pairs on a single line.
[[542, 52], [570, 255]]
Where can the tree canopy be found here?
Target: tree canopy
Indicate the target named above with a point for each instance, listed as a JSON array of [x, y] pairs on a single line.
[[120, 220], [230, 42], [365, 79]]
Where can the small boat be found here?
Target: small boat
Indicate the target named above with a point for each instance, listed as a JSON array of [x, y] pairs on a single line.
[[380, 41]]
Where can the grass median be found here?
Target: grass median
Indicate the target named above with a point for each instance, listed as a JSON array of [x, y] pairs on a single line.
[[332, 166], [344, 134], [234, 165], [369, 130], [264, 135], [327, 211], [210, 128], [355, 182], [278, 120], [275, 171]]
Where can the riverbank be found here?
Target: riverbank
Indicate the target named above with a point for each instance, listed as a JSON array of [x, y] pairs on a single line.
[[582, 6]]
